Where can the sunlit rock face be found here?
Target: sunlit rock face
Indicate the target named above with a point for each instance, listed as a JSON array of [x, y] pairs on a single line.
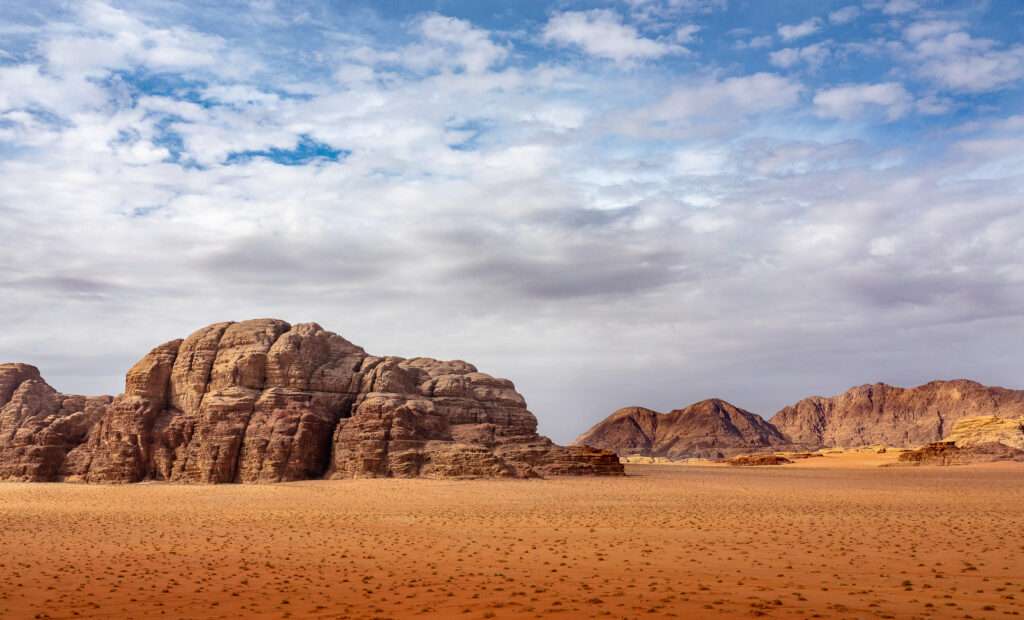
[[265, 401]]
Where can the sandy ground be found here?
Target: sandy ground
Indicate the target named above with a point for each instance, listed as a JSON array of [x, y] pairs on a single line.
[[807, 540]]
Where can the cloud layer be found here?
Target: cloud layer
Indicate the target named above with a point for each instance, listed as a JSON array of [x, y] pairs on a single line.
[[602, 203]]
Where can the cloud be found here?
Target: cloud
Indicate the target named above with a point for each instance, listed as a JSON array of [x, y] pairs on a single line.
[[807, 27], [755, 43], [893, 7], [485, 188], [850, 101], [944, 53], [814, 56], [602, 33], [758, 92], [476, 52], [660, 11], [686, 33], [844, 15]]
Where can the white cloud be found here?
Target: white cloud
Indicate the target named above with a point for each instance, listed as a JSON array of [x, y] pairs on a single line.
[[660, 11], [476, 52], [844, 15], [501, 197], [686, 33], [789, 32], [813, 55], [755, 43], [955, 60], [700, 162], [602, 33], [109, 38], [853, 100], [894, 7]]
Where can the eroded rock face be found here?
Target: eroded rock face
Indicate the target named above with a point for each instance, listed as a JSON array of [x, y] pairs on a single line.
[[894, 416], [707, 429], [39, 426], [948, 453], [969, 432], [756, 460], [265, 401]]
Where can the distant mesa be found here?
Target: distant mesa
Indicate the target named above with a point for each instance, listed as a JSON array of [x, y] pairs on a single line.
[[266, 401], [711, 429], [948, 453], [894, 416], [964, 412]]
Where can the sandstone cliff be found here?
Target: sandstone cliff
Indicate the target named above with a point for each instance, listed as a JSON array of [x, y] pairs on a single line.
[[265, 401], [708, 429], [894, 416], [969, 432]]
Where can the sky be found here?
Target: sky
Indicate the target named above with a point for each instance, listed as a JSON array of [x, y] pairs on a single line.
[[642, 202]]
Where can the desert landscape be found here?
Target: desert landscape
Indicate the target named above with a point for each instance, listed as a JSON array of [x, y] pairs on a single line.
[[380, 487], [569, 309], [830, 537]]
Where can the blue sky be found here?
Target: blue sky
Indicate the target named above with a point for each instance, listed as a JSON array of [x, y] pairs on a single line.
[[644, 202]]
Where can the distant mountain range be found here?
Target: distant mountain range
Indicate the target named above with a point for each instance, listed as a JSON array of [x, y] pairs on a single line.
[[863, 415]]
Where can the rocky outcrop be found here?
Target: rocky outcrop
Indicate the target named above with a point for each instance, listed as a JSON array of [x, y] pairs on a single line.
[[970, 432], [708, 429], [948, 453], [756, 460], [894, 416], [265, 401], [38, 425]]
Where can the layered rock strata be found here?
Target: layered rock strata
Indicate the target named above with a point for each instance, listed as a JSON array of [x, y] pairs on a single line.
[[265, 401]]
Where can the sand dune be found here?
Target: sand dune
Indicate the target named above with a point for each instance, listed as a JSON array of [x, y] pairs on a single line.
[[666, 541]]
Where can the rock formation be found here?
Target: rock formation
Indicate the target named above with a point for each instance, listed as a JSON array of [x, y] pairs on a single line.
[[39, 426], [894, 416], [948, 453], [754, 460], [969, 432], [265, 401], [708, 429]]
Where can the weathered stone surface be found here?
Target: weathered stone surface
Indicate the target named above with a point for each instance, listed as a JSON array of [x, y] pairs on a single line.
[[265, 401], [947, 453], [707, 429], [894, 416], [754, 460], [969, 432], [39, 426]]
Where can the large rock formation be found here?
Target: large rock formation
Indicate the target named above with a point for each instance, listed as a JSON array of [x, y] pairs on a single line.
[[265, 401], [708, 429], [894, 416]]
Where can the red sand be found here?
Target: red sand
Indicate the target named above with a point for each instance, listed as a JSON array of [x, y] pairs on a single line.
[[793, 541]]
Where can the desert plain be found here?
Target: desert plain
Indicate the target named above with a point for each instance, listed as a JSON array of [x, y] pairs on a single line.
[[832, 537]]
